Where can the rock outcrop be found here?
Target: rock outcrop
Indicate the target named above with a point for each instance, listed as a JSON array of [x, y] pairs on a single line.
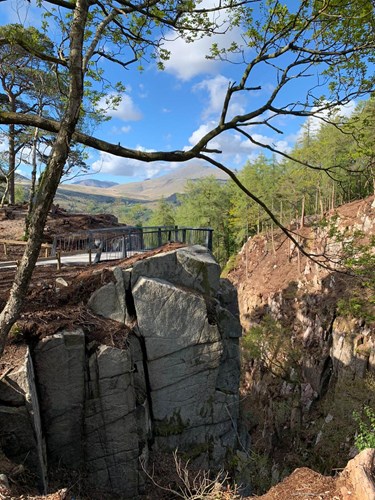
[[310, 354], [175, 385]]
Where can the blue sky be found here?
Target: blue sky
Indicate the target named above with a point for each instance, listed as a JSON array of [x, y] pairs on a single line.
[[170, 109]]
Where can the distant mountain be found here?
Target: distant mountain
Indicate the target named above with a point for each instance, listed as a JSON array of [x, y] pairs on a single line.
[[95, 183], [167, 185], [79, 196], [21, 178]]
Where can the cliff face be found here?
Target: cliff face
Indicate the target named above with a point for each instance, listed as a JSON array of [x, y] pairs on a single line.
[[309, 350], [174, 384]]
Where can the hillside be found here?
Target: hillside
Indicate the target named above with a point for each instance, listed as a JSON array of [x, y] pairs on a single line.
[[169, 184], [78, 196], [95, 183], [309, 347]]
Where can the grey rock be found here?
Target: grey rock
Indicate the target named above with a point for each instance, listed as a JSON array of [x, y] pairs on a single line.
[[170, 318], [23, 439], [4, 483], [109, 300], [192, 356], [229, 325], [17, 437], [228, 298], [60, 364], [192, 267], [111, 429], [176, 383], [230, 367]]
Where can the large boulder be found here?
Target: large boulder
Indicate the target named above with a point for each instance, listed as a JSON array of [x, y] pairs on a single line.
[[193, 367], [21, 431], [60, 366], [93, 416], [175, 385], [112, 441], [191, 267]]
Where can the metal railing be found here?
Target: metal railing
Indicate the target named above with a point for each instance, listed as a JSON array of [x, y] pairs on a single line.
[[122, 242]]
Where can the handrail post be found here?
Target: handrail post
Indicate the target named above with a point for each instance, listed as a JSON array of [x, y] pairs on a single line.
[[209, 239], [124, 252], [130, 245], [160, 241], [54, 245], [142, 242]]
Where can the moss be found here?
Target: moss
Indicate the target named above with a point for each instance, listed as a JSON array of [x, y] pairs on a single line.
[[198, 449], [171, 426], [16, 333], [230, 265]]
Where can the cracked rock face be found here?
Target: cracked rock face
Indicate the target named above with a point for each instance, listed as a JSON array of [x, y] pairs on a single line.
[[174, 386]]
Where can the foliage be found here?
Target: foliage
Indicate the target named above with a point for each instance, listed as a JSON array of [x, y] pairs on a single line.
[[355, 256], [206, 203], [272, 345], [338, 435], [163, 215], [134, 214], [365, 436], [261, 176]]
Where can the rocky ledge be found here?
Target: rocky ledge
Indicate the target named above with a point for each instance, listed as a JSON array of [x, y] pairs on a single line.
[[101, 409]]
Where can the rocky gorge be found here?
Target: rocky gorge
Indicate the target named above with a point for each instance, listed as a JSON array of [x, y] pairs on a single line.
[[113, 367], [76, 403], [309, 346]]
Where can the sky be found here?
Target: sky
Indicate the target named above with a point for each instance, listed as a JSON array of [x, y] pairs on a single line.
[[171, 109]]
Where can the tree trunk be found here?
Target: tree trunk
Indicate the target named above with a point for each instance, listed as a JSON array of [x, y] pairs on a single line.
[[12, 166], [33, 181], [6, 191], [12, 153], [51, 178], [302, 221]]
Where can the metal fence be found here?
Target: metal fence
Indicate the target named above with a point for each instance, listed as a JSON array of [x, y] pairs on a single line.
[[122, 242]]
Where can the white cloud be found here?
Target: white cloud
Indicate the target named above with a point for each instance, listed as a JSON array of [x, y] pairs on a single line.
[[235, 148], [114, 165], [217, 88], [188, 59], [142, 92], [125, 111], [315, 122]]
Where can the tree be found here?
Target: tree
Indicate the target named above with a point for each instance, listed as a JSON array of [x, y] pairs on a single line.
[[327, 43], [206, 203], [19, 75], [163, 215], [262, 176]]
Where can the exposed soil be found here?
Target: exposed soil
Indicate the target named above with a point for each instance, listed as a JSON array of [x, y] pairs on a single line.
[[304, 484], [12, 227], [268, 261]]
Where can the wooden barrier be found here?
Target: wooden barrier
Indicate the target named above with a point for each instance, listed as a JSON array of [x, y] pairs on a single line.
[[46, 246]]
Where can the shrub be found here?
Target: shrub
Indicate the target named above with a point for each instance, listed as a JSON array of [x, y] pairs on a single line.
[[365, 437]]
